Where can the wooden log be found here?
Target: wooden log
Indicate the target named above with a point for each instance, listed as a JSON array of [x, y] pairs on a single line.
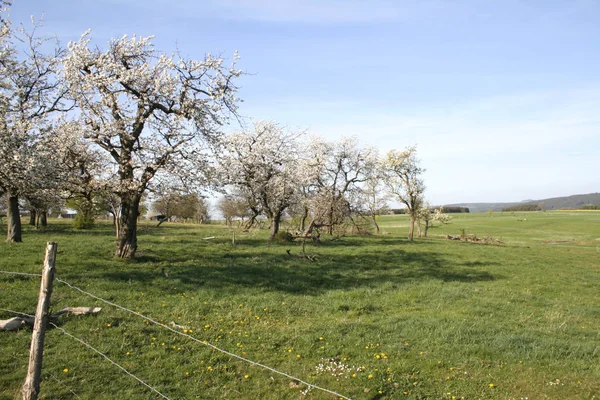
[[17, 322], [11, 324]]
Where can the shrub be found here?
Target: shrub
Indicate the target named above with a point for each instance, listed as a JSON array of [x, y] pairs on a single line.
[[590, 207], [283, 237], [83, 222]]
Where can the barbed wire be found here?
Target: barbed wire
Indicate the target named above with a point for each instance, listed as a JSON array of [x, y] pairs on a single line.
[[204, 342]]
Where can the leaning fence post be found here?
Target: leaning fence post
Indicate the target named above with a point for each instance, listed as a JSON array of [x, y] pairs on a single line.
[[31, 387]]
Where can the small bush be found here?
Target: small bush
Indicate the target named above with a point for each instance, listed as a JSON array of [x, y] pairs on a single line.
[[83, 222], [283, 237]]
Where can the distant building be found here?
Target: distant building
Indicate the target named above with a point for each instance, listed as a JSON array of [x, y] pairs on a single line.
[[69, 215]]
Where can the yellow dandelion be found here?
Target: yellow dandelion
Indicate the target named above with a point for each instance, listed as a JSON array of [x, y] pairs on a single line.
[[108, 325], [290, 350], [370, 376], [298, 356], [354, 375], [66, 370], [128, 354], [492, 385], [246, 376]]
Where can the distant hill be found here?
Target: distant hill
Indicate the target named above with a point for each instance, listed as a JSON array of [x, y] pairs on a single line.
[[554, 203]]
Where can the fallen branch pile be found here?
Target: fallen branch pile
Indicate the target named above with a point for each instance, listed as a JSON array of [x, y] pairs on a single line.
[[474, 239], [310, 257]]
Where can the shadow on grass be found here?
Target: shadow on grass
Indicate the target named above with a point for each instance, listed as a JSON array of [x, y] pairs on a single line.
[[230, 268]]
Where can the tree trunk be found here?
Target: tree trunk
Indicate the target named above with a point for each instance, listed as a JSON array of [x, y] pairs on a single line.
[[375, 222], [275, 222], [44, 218], [310, 228], [161, 221], [250, 223], [303, 219], [13, 220], [411, 229], [127, 239], [330, 220], [32, 215], [115, 221], [426, 226]]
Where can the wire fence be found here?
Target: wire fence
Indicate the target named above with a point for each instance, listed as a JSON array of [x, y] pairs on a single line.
[[155, 322], [93, 349]]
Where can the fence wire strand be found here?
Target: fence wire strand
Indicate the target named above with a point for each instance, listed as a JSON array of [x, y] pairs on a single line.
[[204, 342], [89, 346], [64, 385], [19, 273], [109, 360]]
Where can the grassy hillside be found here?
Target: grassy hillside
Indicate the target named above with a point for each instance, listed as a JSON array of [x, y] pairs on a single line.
[[554, 203], [432, 319]]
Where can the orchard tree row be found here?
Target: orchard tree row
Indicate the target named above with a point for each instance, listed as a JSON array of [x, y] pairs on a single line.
[[105, 127]]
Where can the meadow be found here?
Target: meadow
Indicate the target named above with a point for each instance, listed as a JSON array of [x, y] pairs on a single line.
[[373, 317]]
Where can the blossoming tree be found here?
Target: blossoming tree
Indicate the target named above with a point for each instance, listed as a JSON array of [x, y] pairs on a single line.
[[336, 170], [404, 179], [263, 165], [29, 93], [150, 112]]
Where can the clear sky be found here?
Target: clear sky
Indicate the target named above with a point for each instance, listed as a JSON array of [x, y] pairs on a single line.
[[501, 97]]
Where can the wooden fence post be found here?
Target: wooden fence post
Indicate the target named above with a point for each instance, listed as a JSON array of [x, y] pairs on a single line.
[[31, 387]]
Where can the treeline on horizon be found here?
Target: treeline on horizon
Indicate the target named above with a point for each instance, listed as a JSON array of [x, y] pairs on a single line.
[[446, 209], [538, 207]]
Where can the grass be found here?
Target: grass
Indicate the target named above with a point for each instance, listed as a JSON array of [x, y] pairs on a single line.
[[430, 319]]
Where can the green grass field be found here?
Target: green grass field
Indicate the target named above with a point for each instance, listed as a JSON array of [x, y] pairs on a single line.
[[434, 318]]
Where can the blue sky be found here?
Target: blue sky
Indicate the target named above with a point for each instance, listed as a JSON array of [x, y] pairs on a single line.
[[501, 97]]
